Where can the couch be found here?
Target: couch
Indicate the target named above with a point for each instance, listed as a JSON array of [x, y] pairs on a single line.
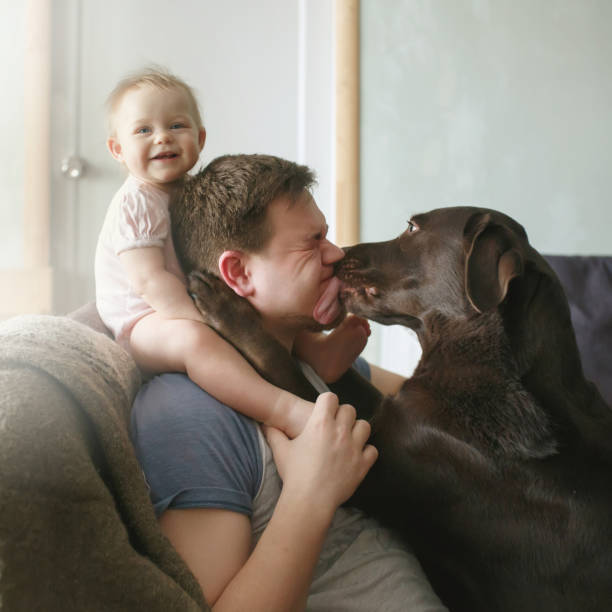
[[77, 531], [588, 285]]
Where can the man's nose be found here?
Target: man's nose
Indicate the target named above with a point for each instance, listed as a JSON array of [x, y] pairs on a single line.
[[331, 253]]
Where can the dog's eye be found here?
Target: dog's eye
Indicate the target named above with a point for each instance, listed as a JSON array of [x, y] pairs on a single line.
[[412, 227]]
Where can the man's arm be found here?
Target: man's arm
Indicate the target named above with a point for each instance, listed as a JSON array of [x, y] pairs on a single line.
[[216, 545], [385, 381], [320, 469]]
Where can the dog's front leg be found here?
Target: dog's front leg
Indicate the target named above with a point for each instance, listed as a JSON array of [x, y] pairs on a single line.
[[352, 388], [235, 320]]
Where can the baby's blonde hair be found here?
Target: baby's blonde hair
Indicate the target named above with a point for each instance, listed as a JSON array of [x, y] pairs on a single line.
[[153, 76]]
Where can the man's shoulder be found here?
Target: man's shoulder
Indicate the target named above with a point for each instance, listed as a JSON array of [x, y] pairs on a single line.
[[195, 451], [173, 397]]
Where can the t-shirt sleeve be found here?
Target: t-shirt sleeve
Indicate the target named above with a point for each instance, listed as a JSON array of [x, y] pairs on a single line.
[[143, 220], [195, 452], [363, 367]]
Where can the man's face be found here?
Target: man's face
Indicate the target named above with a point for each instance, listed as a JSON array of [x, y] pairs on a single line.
[[291, 273]]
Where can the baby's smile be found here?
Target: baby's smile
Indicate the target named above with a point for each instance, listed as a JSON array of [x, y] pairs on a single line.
[[166, 155]]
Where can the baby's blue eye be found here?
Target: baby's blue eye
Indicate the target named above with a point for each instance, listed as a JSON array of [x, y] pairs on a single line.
[[143, 130], [177, 126]]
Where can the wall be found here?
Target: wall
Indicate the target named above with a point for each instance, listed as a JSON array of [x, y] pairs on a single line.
[[499, 103]]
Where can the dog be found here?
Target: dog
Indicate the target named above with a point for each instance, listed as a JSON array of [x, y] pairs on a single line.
[[495, 457]]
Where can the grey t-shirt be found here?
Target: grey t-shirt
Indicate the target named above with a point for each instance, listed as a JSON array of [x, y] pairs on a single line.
[[198, 453]]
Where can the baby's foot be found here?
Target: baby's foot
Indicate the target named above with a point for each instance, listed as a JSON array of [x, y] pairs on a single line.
[[338, 350], [343, 345]]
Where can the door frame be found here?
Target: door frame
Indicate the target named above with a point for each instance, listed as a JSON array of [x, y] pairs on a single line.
[[347, 117], [29, 288]]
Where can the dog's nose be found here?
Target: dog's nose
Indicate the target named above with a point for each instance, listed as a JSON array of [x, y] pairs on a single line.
[[348, 263]]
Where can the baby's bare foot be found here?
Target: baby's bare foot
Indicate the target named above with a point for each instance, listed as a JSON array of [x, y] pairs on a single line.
[[341, 347]]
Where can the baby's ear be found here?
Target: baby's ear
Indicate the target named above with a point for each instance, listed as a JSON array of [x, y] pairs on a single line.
[[114, 146], [233, 271], [201, 137]]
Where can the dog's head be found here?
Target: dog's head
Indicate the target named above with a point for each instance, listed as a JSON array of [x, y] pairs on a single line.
[[456, 261]]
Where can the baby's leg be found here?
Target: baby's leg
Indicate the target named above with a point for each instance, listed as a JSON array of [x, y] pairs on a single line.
[[183, 345], [163, 345]]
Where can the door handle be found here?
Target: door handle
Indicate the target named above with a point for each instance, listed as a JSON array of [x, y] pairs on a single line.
[[73, 167]]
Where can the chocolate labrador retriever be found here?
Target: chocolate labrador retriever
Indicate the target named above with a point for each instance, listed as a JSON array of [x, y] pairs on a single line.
[[496, 455]]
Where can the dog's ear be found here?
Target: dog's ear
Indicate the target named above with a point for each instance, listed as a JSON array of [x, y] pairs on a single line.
[[493, 259]]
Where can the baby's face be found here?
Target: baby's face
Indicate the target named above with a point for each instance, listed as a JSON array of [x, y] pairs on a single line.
[[156, 135]]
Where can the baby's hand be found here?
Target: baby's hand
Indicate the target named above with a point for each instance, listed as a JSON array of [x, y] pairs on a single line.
[[329, 459]]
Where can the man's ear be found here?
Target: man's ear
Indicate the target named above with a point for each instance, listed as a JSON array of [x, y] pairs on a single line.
[[201, 137], [233, 271], [114, 146]]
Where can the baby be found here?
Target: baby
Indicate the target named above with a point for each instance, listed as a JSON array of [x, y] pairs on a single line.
[[155, 130]]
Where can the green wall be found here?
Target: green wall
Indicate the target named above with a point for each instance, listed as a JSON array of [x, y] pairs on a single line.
[[502, 103]]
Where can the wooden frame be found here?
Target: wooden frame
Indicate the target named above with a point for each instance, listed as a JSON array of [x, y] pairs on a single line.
[[347, 121], [29, 289]]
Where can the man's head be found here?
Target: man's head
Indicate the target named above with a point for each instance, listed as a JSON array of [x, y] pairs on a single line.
[[223, 207], [251, 220]]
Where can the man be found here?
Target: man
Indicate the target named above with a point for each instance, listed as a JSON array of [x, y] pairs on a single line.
[[252, 544]]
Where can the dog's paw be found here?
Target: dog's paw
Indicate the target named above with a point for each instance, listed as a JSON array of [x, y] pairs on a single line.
[[219, 306]]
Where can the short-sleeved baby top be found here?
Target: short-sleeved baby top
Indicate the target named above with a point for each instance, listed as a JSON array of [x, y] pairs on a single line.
[[137, 217]]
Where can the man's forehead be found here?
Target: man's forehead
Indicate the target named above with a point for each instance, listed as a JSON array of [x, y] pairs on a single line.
[[286, 210]]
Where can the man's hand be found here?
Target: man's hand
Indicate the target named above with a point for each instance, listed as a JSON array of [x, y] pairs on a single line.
[[329, 459]]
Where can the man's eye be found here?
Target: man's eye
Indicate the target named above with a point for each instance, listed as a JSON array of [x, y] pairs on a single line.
[[412, 227]]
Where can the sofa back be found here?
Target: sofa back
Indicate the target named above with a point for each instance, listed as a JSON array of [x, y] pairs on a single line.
[[588, 285]]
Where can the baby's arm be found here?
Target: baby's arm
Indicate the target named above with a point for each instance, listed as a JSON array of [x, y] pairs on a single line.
[[163, 291], [215, 365], [176, 339], [331, 355]]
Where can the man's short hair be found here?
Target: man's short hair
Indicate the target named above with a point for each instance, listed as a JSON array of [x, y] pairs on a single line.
[[223, 207], [152, 76]]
